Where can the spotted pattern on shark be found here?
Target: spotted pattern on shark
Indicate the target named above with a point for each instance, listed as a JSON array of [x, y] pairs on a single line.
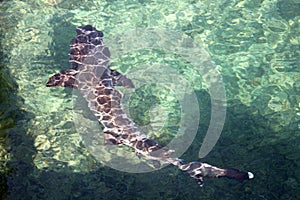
[[91, 75]]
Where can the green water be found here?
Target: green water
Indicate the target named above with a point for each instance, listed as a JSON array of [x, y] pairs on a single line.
[[255, 45]]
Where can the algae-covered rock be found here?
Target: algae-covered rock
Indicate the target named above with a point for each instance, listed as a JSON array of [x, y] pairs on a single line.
[[7, 120]]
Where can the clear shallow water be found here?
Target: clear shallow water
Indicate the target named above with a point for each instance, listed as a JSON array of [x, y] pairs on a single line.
[[255, 45]]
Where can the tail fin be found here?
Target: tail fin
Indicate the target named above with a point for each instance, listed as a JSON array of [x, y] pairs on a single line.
[[200, 170]]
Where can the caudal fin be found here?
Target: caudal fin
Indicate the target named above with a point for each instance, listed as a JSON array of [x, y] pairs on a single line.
[[199, 170]]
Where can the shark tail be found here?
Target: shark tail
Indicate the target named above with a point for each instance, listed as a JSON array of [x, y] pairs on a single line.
[[199, 170]]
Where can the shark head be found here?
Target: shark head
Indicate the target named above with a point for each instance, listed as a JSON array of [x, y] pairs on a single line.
[[88, 48]]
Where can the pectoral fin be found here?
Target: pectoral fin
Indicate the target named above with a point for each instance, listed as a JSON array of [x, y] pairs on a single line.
[[121, 80], [66, 78]]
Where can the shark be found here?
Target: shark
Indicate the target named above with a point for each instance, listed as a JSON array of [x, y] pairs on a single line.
[[90, 73]]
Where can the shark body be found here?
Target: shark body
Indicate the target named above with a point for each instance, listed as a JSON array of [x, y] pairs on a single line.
[[91, 75]]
